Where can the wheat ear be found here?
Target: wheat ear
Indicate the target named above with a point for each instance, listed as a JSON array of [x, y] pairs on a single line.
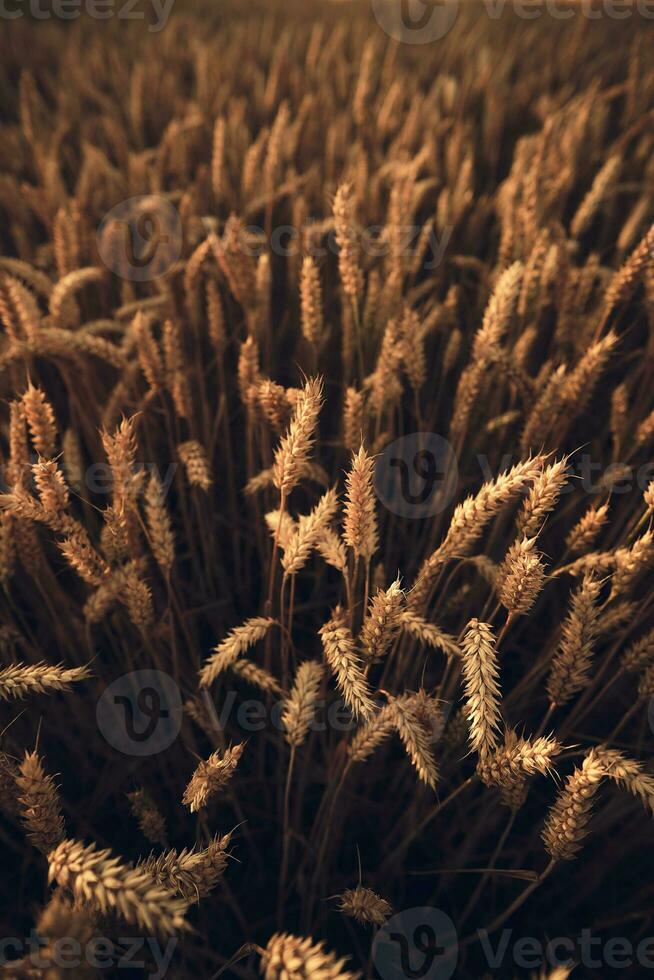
[[193, 874], [360, 521], [230, 649], [288, 957], [211, 776], [299, 708], [364, 905], [150, 819], [18, 680], [569, 672], [106, 883], [343, 660], [40, 804], [468, 522], [481, 686], [567, 821], [295, 447]]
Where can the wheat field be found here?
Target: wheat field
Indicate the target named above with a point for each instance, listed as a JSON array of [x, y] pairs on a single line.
[[326, 546]]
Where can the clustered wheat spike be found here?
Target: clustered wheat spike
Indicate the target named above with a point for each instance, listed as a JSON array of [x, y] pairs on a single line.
[[572, 661], [150, 819], [346, 238], [567, 822], [299, 707], [382, 622], [191, 873], [288, 957], [211, 776], [481, 685], [196, 464], [360, 521], [160, 530], [468, 522], [240, 639], [295, 447], [522, 577], [19, 680], [40, 804], [344, 662], [364, 905], [309, 531], [415, 738], [109, 885]]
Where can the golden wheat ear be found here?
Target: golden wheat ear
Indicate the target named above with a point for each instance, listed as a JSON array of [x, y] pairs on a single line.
[[103, 882], [364, 905], [211, 776], [293, 956], [40, 804]]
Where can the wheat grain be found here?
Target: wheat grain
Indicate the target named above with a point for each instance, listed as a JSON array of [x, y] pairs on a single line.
[[299, 708]]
